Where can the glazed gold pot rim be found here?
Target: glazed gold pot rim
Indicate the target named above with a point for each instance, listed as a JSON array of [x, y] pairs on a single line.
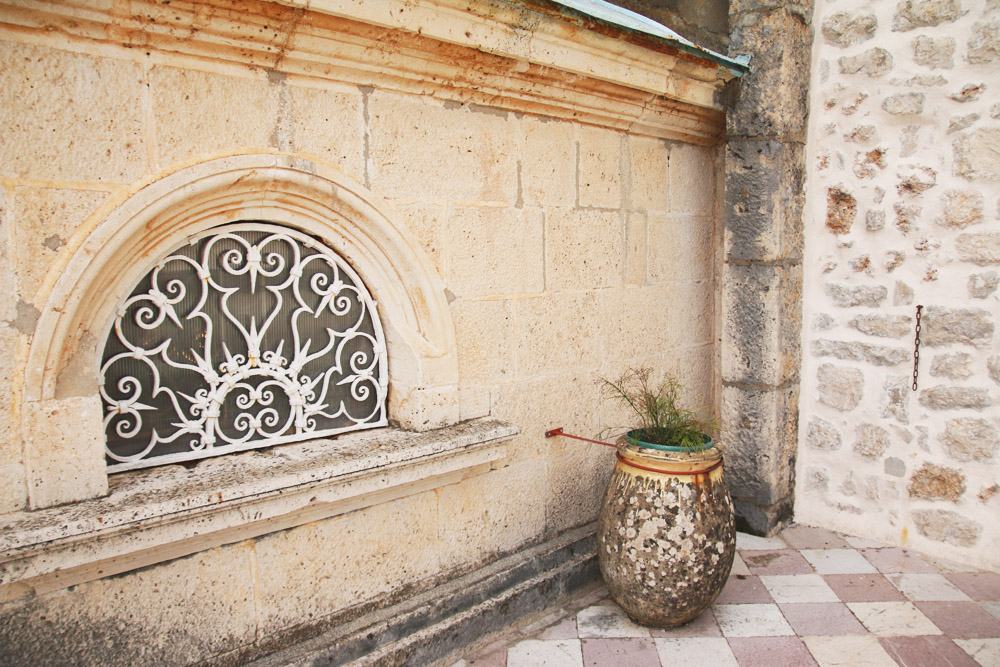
[[657, 458]]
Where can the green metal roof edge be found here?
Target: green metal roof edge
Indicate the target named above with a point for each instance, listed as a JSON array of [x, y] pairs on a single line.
[[584, 12]]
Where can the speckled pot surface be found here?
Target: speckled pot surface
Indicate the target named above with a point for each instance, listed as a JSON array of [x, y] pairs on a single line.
[[666, 538]]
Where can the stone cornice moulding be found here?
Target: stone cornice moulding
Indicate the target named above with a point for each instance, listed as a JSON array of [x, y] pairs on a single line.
[[491, 53]]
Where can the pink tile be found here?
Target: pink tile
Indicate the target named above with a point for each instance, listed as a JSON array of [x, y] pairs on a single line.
[[632, 652], [494, 659], [742, 589], [926, 651], [702, 626], [564, 629], [822, 618], [961, 620], [982, 586], [771, 651], [808, 537], [893, 561], [777, 561], [863, 588]]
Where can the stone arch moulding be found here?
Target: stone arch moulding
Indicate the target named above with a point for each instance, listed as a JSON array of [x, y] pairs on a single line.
[[62, 430]]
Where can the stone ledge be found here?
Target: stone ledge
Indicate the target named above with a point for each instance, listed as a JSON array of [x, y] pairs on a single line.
[[158, 514]]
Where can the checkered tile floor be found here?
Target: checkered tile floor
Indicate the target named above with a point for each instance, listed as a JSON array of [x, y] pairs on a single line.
[[805, 597]]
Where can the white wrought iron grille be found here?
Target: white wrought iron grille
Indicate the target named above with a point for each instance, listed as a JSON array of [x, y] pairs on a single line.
[[247, 336]]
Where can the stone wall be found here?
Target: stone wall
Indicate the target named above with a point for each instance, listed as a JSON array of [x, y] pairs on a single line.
[[567, 251], [902, 211]]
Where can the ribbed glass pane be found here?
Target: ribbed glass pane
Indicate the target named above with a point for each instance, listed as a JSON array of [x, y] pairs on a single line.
[[248, 335]]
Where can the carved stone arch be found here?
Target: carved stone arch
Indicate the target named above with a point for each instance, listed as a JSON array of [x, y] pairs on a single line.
[[65, 459]]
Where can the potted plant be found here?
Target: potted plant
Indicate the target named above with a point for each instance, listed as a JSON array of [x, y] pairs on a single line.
[[666, 535]]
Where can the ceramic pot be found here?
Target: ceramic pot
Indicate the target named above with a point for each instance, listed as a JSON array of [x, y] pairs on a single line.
[[665, 533]]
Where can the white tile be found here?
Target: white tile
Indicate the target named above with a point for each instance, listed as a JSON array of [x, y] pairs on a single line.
[[862, 543], [888, 619], [848, 651], [993, 608], [838, 561], [739, 567], [798, 588], [927, 587], [751, 620], [754, 543], [607, 621], [695, 652], [550, 653], [984, 651]]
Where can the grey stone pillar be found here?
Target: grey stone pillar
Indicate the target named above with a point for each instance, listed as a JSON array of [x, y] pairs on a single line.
[[762, 274]]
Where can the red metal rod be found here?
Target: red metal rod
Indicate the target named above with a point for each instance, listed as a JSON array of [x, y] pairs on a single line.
[[559, 431]]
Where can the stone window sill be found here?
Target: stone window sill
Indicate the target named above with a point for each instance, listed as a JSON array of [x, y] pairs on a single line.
[[158, 514]]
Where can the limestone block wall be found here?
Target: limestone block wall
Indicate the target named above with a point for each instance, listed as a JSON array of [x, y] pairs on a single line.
[[567, 251], [902, 210]]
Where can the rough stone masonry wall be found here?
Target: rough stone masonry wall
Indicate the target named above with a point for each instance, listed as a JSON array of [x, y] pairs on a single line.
[[903, 208]]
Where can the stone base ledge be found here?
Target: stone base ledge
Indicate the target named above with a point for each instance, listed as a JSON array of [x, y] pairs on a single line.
[[154, 515]]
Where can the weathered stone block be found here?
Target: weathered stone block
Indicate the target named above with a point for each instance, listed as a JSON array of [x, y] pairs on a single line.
[[895, 400], [841, 209], [850, 296], [993, 368], [762, 316], [495, 251], [822, 435], [92, 125], [648, 182], [840, 388], [883, 326], [934, 53], [984, 45], [912, 14], [970, 439], [933, 482], [982, 285], [378, 549], [877, 355], [178, 613], [873, 62], [429, 223], [600, 168], [327, 123], [847, 28], [492, 514], [969, 93], [693, 172], [639, 323], [556, 332], [764, 200], [949, 527], [904, 103], [484, 331], [13, 495], [955, 366], [45, 221], [872, 441], [760, 430], [915, 180], [636, 249], [894, 467], [583, 249], [902, 294], [949, 326], [893, 260], [64, 442], [981, 249], [874, 220], [188, 103], [951, 398], [961, 208], [774, 96], [977, 154], [548, 162], [817, 481], [907, 216], [680, 249], [424, 149]]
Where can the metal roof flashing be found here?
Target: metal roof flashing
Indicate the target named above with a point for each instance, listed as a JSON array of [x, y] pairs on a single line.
[[630, 24]]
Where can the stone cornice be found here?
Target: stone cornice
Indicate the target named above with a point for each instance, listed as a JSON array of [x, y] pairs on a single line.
[[478, 51]]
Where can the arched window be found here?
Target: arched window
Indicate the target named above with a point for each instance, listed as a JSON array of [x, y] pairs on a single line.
[[248, 335]]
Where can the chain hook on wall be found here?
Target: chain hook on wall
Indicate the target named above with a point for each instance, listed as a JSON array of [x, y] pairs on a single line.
[[916, 348]]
